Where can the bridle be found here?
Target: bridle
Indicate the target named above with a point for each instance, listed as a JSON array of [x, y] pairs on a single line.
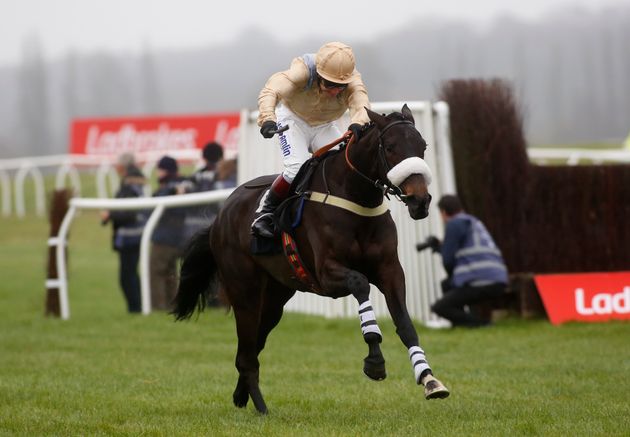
[[386, 186]]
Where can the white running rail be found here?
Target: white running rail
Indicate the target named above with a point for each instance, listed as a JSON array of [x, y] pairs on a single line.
[[158, 204]]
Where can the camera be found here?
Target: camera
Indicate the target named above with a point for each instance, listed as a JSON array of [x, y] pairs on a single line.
[[431, 242]]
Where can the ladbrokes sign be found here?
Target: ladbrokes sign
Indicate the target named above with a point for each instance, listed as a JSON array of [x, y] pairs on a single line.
[[112, 136], [589, 297]]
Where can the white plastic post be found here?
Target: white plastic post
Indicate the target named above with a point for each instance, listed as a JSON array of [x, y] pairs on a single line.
[[68, 170], [38, 180], [5, 182], [145, 258], [64, 304]]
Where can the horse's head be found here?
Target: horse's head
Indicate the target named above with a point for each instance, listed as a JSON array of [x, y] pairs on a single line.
[[402, 148]]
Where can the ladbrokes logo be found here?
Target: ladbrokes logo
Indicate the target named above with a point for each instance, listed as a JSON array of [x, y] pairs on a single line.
[[128, 138], [112, 136], [603, 303], [588, 297]]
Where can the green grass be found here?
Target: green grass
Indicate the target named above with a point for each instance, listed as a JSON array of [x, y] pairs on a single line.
[[104, 372]]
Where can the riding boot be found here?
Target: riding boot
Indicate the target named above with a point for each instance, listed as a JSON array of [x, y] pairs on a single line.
[[263, 224]]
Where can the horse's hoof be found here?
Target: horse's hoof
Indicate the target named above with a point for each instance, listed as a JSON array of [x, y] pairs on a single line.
[[434, 389], [239, 401], [240, 398], [375, 372]]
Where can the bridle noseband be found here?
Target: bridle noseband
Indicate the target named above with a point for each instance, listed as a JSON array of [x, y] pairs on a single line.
[[386, 186]]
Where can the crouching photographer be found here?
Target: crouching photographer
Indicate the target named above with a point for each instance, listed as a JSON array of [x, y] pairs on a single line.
[[474, 265]]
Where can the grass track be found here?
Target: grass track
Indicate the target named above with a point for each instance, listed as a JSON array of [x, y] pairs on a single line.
[[104, 372]]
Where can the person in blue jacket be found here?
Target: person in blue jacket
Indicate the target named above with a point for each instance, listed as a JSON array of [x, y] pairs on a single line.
[[128, 227], [473, 262]]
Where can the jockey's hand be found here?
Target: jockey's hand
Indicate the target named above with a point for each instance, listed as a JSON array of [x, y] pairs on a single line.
[[268, 129], [355, 128]]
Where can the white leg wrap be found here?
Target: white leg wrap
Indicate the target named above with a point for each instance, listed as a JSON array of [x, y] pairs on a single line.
[[418, 362], [368, 319]]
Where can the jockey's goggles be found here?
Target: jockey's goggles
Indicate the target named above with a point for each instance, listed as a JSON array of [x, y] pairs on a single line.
[[331, 85]]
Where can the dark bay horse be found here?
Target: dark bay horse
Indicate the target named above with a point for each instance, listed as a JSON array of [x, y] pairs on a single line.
[[347, 240]]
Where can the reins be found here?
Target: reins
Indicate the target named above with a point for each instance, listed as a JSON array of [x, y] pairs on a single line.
[[386, 187], [348, 137]]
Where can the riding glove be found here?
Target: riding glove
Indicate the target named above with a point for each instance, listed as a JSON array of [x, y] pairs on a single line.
[[268, 129]]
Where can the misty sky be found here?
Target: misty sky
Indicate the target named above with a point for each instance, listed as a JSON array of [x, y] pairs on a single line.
[[90, 25]]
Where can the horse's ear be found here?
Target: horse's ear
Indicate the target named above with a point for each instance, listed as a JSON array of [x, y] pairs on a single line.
[[406, 113], [379, 120]]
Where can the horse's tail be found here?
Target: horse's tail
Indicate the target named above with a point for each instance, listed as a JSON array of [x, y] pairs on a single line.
[[197, 276]]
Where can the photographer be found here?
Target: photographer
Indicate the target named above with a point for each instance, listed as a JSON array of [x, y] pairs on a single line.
[[474, 264]]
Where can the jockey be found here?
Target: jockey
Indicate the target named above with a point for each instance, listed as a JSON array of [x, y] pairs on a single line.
[[309, 97]]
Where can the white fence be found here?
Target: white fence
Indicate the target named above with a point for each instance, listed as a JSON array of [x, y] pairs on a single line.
[[14, 172], [572, 156], [158, 204]]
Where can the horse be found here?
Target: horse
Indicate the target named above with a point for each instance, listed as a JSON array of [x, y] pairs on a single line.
[[347, 239]]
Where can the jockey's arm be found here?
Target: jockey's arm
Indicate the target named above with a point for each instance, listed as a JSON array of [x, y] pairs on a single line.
[[281, 85], [357, 101]]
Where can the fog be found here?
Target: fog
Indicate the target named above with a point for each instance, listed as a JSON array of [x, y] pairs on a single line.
[[570, 70]]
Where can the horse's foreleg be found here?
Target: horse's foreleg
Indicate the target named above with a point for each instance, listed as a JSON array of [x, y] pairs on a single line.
[[358, 285], [393, 287]]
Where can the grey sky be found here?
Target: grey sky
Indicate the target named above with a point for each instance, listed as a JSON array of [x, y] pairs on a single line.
[[89, 25]]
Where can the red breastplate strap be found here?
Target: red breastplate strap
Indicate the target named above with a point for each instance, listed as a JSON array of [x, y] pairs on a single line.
[[291, 253]]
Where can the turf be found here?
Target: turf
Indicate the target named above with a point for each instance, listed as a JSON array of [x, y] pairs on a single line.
[[104, 372]]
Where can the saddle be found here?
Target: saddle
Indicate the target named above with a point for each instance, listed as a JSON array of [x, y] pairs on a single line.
[[287, 218]]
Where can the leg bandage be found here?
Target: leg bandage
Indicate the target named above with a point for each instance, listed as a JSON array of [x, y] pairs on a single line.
[[368, 319], [418, 361]]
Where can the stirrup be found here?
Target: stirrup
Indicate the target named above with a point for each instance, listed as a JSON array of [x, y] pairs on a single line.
[[263, 226]]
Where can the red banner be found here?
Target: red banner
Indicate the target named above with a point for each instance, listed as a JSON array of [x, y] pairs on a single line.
[[112, 136], [587, 297]]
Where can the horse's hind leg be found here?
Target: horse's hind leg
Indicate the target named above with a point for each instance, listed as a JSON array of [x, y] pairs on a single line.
[[274, 297], [245, 298], [272, 301]]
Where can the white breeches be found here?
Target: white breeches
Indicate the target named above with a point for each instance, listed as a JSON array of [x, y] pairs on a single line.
[[297, 143]]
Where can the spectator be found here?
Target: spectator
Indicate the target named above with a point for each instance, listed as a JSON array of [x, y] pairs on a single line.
[[168, 237], [226, 174], [473, 262], [127, 230], [204, 179]]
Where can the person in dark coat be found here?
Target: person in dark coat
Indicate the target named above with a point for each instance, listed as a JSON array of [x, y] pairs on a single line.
[[127, 231]]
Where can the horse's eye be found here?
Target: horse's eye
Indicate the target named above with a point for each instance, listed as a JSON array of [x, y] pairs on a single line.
[[389, 149]]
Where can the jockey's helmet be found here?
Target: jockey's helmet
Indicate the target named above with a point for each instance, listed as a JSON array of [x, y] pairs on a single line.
[[335, 62]]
